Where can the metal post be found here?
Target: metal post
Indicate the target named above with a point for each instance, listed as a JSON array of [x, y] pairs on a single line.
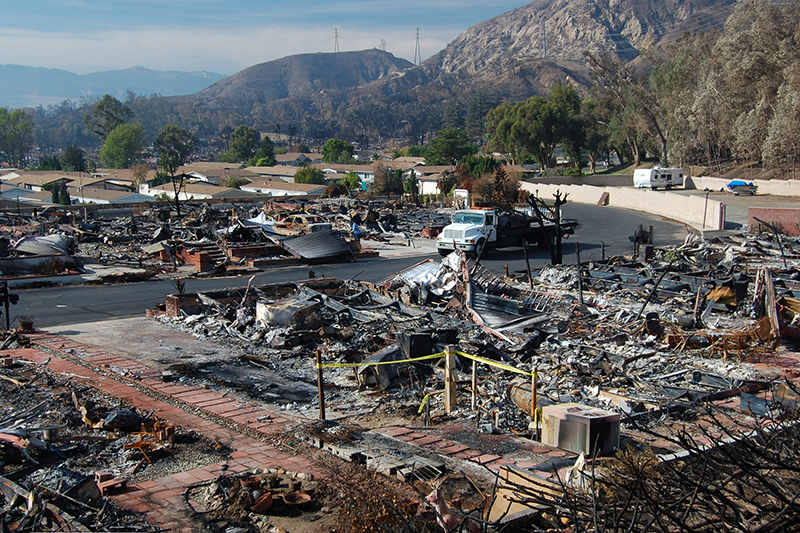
[[653, 291], [580, 273], [449, 378], [527, 262], [603, 250], [4, 288], [705, 209], [320, 386]]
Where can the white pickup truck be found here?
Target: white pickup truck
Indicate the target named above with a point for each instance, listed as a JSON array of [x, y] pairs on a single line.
[[474, 230]]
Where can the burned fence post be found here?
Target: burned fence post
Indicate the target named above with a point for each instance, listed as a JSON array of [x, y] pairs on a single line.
[[774, 229], [653, 291], [527, 262], [580, 271], [320, 386], [533, 394], [449, 378]]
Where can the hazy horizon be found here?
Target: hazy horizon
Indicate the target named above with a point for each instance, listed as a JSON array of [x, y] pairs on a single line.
[[87, 36]]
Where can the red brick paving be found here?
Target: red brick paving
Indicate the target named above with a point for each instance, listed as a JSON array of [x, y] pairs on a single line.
[[162, 499]]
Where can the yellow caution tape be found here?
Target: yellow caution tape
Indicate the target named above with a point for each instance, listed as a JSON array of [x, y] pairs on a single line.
[[490, 362], [422, 405], [483, 360], [414, 360]]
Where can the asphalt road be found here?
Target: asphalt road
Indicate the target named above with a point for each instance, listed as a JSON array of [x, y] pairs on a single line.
[[57, 306]]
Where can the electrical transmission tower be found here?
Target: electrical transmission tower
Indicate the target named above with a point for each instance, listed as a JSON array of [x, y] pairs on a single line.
[[336, 40], [417, 53]]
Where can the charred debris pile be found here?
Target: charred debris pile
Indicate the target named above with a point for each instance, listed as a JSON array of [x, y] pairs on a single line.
[[66, 448], [646, 339], [208, 240]]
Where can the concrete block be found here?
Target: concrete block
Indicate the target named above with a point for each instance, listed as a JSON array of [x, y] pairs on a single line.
[[302, 315]]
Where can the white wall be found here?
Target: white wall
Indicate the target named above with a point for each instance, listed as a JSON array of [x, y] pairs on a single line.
[[691, 210]]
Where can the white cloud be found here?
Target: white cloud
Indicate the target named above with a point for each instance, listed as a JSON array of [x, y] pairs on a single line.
[[222, 51]]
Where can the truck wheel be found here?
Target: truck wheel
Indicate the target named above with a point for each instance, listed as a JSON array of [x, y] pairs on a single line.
[[479, 249], [444, 253]]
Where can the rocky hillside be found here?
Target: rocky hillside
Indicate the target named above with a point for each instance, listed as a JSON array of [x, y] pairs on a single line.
[[528, 48], [512, 56]]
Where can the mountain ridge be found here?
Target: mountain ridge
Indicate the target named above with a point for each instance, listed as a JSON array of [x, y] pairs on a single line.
[[24, 86]]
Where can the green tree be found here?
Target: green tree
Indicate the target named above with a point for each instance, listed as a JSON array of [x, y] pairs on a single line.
[[174, 145], [72, 159], [337, 151], [63, 196], [352, 181], [243, 144], [411, 186], [538, 125], [450, 146], [16, 135], [265, 157], [481, 165], [59, 194], [107, 114], [123, 146], [49, 162], [310, 175]]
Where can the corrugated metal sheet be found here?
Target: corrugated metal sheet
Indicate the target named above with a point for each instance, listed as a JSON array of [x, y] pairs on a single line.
[[495, 310], [318, 245]]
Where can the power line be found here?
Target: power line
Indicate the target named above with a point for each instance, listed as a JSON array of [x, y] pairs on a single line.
[[417, 53]]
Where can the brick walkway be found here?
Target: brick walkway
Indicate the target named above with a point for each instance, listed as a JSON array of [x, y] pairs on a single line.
[[455, 450], [229, 421]]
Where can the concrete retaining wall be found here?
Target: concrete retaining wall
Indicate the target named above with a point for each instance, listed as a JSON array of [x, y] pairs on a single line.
[[772, 187], [692, 210]]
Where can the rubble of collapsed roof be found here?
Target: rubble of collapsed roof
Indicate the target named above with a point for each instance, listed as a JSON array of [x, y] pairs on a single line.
[[652, 340], [208, 240]]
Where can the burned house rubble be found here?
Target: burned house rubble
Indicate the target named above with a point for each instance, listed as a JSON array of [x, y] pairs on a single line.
[[207, 240], [543, 377], [542, 400]]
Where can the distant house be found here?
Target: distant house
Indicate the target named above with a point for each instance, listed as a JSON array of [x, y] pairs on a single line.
[[38, 180], [414, 161], [285, 173], [220, 177], [196, 191], [94, 195], [278, 187], [12, 192], [297, 159], [118, 179], [365, 172]]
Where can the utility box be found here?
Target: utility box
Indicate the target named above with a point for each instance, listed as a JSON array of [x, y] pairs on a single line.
[[579, 428]]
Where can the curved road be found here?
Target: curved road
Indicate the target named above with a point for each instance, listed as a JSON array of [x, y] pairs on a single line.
[[57, 306]]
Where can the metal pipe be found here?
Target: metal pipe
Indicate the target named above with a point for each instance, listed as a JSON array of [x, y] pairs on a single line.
[[320, 386]]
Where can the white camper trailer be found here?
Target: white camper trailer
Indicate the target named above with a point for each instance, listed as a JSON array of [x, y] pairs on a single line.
[[658, 177]]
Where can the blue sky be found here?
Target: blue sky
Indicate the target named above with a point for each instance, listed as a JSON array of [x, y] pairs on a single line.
[[222, 36]]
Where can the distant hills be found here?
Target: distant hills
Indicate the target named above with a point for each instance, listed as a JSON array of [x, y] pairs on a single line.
[[32, 86], [513, 56], [300, 75], [371, 93]]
